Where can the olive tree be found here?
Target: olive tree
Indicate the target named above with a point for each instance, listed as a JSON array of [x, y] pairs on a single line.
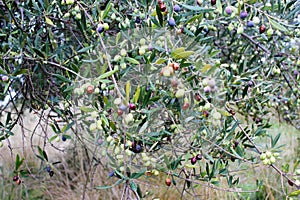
[[181, 88]]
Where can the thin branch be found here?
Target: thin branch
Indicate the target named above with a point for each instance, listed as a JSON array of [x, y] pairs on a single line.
[[242, 129], [257, 44], [105, 51], [260, 152], [209, 185], [220, 148], [62, 67]]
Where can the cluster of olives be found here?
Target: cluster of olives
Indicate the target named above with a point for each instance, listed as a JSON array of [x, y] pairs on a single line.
[[269, 158]]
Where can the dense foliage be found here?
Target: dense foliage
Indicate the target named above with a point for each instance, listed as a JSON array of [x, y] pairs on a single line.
[[183, 88]]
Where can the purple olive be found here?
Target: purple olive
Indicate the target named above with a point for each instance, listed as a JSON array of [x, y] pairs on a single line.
[[236, 143], [100, 28], [48, 169], [199, 157], [250, 24], [63, 138], [133, 144], [51, 173], [207, 89], [262, 29], [250, 83], [258, 120], [228, 10], [171, 22], [122, 107], [111, 174], [243, 14], [138, 20], [150, 48], [132, 106], [100, 141], [193, 160], [138, 148], [232, 158], [177, 8], [15, 178]]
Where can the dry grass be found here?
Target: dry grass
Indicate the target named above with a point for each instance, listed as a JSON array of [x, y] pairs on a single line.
[[74, 175]]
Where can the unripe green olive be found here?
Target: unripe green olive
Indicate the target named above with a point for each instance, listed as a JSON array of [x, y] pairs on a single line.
[[94, 114], [78, 16], [276, 155], [93, 127], [207, 106], [148, 163], [142, 51], [67, 15], [128, 152], [69, 2], [268, 154], [265, 162], [117, 150], [117, 58], [97, 91], [263, 156], [76, 8], [106, 26], [123, 52], [109, 139], [155, 172], [179, 93], [128, 143], [272, 159], [240, 30], [99, 124], [103, 86], [142, 41], [230, 26], [270, 32], [128, 118], [113, 16], [256, 20], [123, 65], [81, 91]]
